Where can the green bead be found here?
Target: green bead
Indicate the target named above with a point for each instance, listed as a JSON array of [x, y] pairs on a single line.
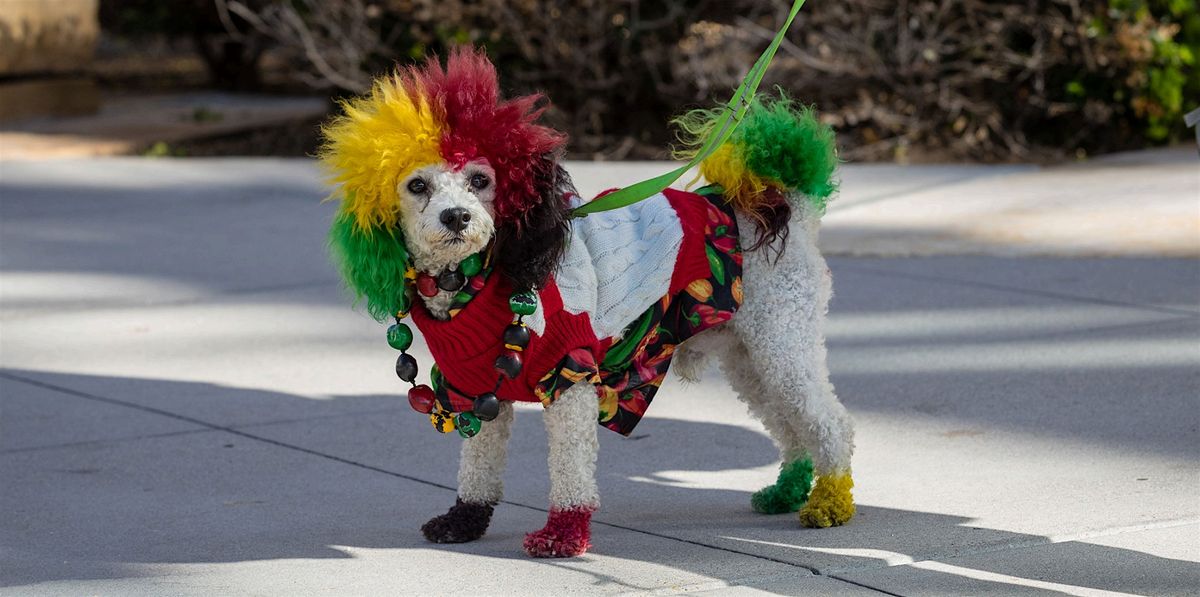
[[471, 265], [435, 377], [468, 424], [399, 336], [523, 303]]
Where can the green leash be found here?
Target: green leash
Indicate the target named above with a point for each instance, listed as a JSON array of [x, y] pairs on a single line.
[[731, 116]]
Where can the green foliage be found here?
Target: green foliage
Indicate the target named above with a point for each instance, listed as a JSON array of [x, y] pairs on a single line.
[[202, 114], [161, 149], [373, 263], [1157, 46]]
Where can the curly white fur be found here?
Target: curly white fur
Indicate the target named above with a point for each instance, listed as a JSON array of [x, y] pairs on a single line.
[[781, 326], [773, 354], [695, 355], [433, 246], [571, 428], [482, 460]]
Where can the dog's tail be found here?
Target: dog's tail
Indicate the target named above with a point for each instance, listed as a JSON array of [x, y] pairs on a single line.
[[780, 157]]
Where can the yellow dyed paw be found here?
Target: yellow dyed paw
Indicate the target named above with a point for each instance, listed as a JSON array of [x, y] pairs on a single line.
[[830, 503]]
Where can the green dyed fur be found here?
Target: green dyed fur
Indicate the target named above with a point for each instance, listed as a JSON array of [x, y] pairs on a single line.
[[783, 141], [778, 139], [790, 490], [372, 264]]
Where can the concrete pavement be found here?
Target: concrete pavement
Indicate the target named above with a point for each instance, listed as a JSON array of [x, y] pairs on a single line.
[[189, 406]]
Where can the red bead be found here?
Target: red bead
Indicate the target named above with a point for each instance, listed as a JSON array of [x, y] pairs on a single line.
[[421, 398], [426, 284], [509, 364]]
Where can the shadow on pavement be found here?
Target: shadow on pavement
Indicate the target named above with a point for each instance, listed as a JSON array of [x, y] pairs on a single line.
[[106, 508]]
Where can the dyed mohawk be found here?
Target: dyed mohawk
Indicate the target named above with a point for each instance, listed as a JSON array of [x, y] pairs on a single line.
[[477, 123], [425, 115], [380, 137]]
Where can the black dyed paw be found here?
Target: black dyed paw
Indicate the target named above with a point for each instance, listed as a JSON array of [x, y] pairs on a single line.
[[464, 522]]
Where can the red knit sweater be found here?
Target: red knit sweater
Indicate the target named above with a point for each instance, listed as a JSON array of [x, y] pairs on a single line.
[[466, 346]]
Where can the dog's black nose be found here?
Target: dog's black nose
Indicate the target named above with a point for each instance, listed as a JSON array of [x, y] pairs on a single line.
[[455, 218]]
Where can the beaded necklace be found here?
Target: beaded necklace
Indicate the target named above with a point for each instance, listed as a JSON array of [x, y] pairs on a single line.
[[422, 397]]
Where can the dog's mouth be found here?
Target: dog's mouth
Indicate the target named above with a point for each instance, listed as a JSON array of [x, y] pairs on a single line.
[[454, 243]]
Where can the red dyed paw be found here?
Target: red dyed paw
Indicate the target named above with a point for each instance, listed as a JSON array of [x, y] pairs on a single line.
[[567, 534]]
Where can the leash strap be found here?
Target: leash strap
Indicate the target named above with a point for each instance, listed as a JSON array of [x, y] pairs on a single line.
[[731, 117]]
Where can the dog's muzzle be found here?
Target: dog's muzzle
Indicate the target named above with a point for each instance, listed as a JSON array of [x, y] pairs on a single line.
[[455, 219]]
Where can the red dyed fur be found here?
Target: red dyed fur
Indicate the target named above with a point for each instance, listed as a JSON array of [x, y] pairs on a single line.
[[567, 533], [466, 96]]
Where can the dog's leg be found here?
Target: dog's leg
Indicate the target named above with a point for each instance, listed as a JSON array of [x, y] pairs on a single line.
[[782, 325], [571, 428], [790, 490], [480, 486]]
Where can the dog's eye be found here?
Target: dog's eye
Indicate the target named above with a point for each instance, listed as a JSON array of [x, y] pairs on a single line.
[[417, 186], [480, 182]]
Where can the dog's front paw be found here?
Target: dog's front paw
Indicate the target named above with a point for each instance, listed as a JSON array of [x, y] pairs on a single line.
[[464, 522], [830, 504], [567, 533]]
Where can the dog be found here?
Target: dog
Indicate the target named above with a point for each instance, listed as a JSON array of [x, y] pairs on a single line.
[[454, 210]]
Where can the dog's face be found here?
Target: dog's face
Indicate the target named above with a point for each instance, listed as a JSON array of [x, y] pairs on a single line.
[[432, 166], [447, 213]]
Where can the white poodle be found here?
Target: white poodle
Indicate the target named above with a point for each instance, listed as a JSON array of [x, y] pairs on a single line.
[[454, 211]]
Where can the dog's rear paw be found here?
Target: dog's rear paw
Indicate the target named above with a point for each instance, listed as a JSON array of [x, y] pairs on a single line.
[[567, 533], [464, 522], [789, 491], [830, 503]]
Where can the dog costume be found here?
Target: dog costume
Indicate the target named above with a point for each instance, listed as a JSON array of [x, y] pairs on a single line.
[[633, 284], [552, 306]]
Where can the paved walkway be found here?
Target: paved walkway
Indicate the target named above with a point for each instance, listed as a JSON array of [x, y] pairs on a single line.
[[189, 407]]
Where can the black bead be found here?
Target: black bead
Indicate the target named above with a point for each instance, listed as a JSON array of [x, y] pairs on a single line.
[[487, 406], [451, 280], [406, 367], [509, 363], [516, 334]]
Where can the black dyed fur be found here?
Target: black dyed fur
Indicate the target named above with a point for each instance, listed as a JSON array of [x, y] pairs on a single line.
[[528, 250], [772, 216], [462, 523]]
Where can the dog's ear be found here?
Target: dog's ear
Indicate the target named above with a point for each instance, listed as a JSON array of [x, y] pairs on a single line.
[[529, 247], [374, 263]]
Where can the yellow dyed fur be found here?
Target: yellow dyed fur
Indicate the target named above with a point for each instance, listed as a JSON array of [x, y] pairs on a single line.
[[382, 137], [830, 503], [742, 186]]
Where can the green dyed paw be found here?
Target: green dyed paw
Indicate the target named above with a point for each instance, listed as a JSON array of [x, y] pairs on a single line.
[[790, 490], [773, 499]]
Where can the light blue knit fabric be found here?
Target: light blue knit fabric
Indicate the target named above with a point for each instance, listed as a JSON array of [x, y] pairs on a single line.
[[620, 262]]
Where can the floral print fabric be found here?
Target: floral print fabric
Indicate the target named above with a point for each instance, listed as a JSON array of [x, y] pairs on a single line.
[[636, 364]]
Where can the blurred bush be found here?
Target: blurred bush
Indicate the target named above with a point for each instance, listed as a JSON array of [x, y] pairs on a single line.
[[233, 59], [990, 80], [923, 80]]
